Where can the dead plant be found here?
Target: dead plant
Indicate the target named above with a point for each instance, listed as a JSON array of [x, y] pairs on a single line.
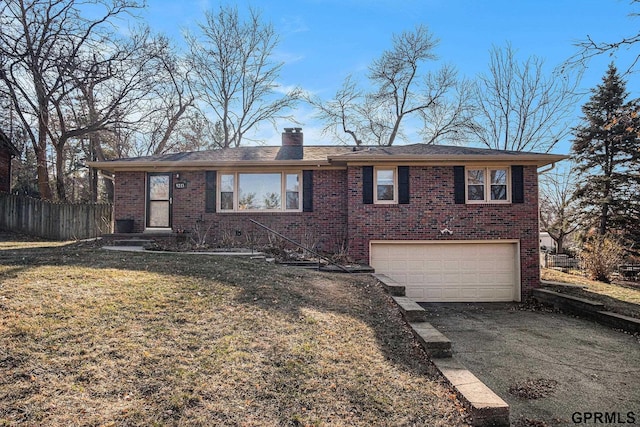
[[200, 234]]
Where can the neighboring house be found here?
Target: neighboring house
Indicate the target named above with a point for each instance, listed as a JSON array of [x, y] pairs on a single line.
[[451, 223], [546, 242], [7, 152]]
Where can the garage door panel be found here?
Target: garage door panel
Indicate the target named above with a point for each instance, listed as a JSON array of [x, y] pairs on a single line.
[[415, 265], [441, 272]]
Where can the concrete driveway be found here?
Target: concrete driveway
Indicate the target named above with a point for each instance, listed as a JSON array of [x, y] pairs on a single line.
[[561, 370]]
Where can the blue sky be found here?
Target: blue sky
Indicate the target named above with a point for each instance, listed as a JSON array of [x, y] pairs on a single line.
[[323, 41]]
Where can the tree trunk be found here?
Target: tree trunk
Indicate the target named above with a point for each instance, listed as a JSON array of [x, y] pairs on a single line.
[[560, 244], [41, 160], [108, 183], [60, 185], [602, 229]]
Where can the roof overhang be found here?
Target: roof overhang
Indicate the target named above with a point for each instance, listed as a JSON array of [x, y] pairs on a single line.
[[159, 166], [538, 160], [336, 161]]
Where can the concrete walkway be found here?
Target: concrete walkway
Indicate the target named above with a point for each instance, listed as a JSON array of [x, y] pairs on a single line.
[[577, 366]]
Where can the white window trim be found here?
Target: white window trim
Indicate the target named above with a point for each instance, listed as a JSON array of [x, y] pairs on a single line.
[[487, 185], [236, 183], [395, 186]]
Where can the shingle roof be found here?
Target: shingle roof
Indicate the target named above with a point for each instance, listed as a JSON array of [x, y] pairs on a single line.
[[429, 150], [247, 154], [323, 155]]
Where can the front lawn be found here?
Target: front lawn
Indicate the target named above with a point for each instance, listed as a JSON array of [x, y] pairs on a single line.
[[95, 337]]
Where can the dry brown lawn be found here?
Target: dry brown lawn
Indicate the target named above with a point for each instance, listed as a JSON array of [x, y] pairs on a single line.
[[103, 338], [620, 297]]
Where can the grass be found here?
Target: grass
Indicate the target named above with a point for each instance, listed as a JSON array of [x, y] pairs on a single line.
[[94, 337], [621, 298]]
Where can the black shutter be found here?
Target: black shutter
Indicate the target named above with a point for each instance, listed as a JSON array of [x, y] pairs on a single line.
[[367, 185], [458, 185], [517, 184], [307, 191], [210, 191], [403, 185]]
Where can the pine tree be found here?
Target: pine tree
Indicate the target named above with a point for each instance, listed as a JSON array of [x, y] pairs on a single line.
[[605, 149]]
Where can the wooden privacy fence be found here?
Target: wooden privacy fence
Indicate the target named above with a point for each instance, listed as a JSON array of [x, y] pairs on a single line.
[[57, 221]]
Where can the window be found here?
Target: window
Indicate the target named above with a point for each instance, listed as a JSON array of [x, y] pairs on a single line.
[[259, 191], [487, 185], [292, 190], [385, 185]]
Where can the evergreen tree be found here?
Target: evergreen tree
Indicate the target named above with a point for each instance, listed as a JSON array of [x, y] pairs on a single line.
[[605, 149]]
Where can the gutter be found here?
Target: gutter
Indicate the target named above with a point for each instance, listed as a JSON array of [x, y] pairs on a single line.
[[551, 166]]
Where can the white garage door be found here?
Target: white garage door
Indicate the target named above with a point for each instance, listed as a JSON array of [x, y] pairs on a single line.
[[467, 271]]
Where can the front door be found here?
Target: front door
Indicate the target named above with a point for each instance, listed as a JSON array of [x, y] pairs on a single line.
[[159, 199]]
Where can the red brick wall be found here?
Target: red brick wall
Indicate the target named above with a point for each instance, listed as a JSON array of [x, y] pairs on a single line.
[[326, 225], [432, 209], [129, 198]]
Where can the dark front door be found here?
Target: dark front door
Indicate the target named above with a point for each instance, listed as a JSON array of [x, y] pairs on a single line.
[[159, 199]]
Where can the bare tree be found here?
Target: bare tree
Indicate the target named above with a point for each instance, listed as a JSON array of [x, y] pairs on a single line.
[[234, 73], [342, 115], [558, 210], [590, 48], [521, 109], [170, 101], [105, 87], [39, 43], [450, 121], [396, 76], [400, 91]]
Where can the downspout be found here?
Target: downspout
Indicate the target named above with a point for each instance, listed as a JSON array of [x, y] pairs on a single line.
[[550, 168], [553, 165]]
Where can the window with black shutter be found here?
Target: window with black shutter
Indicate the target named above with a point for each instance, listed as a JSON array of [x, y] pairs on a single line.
[[307, 191], [403, 185], [459, 185], [367, 185], [210, 191], [517, 184]]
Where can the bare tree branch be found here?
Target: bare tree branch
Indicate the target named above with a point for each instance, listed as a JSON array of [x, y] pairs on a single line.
[[590, 48], [234, 73], [520, 109], [400, 91]]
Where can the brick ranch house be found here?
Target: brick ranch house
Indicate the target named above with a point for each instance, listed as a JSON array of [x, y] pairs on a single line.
[[450, 223], [7, 152]]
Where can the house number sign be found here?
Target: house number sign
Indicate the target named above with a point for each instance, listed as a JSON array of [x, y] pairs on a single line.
[[181, 185]]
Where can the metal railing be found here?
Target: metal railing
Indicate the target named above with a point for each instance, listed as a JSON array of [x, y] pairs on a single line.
[[302, 247]]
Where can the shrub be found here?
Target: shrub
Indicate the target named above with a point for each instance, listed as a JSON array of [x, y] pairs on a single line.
[[600, 256]]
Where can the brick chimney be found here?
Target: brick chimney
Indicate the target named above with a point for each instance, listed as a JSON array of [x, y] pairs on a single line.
[[292, 144], [292, 137]]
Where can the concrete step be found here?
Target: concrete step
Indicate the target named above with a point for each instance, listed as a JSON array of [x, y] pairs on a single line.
[[391, 286], [485, 407], [432, 340], [618, 321], [588, 309], [131, 242], [566, 302], [411, 310]]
